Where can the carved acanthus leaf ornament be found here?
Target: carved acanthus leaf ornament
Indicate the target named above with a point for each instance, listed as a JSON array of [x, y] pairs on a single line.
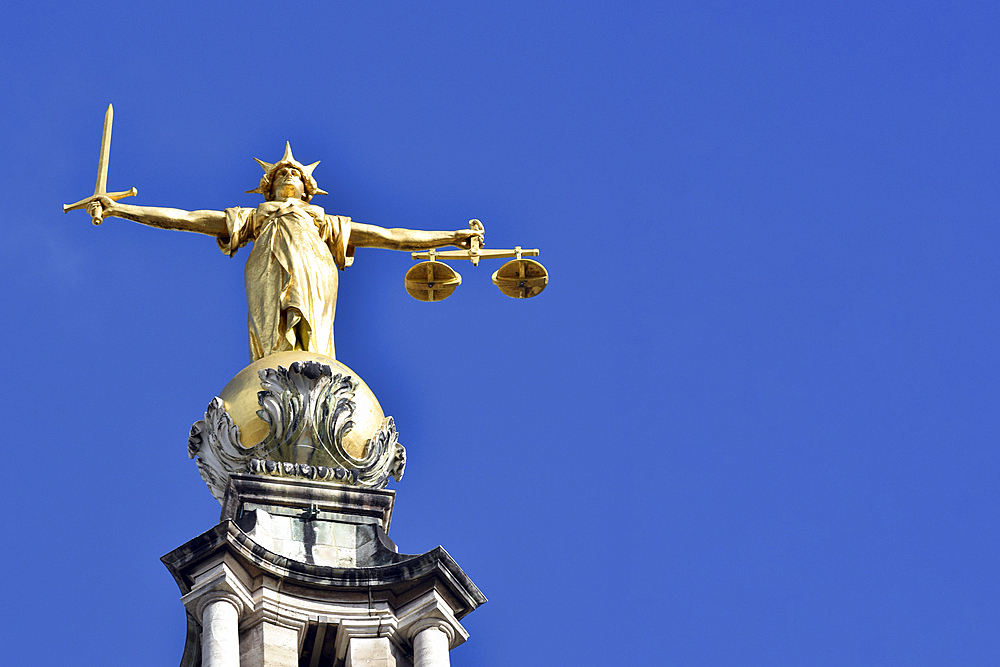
[[308, 409]]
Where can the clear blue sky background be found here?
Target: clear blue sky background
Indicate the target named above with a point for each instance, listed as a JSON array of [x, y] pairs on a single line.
[[752, 420]]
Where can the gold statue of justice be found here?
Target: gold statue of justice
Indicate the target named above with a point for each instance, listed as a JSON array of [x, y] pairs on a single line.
[[298, 249]]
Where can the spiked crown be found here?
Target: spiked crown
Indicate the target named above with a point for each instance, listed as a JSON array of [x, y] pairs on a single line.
[[309, 183]]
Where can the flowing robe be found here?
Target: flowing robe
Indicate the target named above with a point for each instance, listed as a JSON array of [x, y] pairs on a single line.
[[291, 274]]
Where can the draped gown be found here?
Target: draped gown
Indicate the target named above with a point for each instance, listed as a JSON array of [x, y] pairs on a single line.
[[291, 274]]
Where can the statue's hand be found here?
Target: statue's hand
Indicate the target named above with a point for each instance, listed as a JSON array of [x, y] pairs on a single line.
[[100, 207], [463, 238]]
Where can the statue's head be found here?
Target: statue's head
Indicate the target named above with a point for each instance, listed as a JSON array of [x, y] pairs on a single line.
[[282, 174]]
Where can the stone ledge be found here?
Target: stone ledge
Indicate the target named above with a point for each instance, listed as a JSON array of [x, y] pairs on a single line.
[[304, 494], [399, 574]]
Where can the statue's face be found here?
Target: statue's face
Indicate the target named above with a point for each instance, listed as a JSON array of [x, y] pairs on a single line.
[[286, 183]]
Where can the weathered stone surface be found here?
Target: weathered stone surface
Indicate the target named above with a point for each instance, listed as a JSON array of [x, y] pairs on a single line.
[[298, 495], [220, 639], [430, 647], [373, 652], [271, 512], [269, 645]]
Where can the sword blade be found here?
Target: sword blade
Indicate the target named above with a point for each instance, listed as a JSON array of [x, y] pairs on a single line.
[[102, 164]]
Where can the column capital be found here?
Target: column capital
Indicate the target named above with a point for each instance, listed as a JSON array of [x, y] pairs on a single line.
[[428, 611], [431, 623], [218, 584], [214, 596]]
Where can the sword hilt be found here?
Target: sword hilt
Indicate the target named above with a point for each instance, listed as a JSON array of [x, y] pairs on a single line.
[[95, 210], [85, 203]]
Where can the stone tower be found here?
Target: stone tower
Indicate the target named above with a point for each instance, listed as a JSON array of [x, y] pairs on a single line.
[[300, 570]]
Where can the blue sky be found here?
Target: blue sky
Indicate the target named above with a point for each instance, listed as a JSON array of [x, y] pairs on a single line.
[[751, 421]]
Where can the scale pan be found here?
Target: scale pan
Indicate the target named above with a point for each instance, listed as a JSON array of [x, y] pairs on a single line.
[[521, 278], [431, 281]]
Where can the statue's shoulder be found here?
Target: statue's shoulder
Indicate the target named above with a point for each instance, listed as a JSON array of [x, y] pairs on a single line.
[[315, 211]]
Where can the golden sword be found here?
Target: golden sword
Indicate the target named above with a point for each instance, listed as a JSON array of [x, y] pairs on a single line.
[[101, 189]]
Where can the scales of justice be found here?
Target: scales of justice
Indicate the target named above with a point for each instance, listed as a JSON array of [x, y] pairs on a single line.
[[300, 571]]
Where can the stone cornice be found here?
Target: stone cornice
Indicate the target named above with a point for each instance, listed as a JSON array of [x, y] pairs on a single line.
[[404, 573]]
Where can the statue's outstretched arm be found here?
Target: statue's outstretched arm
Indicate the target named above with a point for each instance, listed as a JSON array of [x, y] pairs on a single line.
[[373, 236], [202, 222]]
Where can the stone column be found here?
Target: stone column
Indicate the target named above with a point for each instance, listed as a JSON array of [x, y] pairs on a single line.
[[220, 631], [431, 641], [217, 600]]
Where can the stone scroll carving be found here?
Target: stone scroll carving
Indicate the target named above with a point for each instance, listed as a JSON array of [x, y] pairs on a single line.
[[386, 458], [308, 409], [215, 441]]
